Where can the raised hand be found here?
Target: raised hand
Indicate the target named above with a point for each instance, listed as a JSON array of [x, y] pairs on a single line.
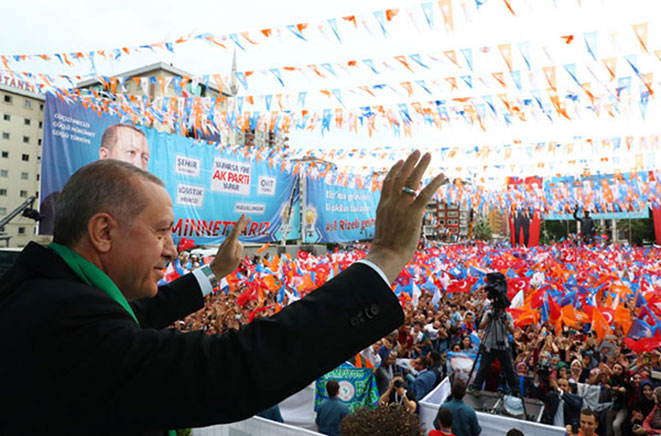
[[230, 252], [400, 212]]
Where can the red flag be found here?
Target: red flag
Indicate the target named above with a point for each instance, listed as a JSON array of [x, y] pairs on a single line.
[[643, 345], [185, 244]]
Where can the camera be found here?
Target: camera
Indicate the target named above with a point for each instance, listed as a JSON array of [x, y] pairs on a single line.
[[497, 291], [398, 383]]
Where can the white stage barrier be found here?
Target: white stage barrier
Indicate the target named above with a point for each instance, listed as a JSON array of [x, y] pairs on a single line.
[[254, 426], [492, 425], [298, 413]]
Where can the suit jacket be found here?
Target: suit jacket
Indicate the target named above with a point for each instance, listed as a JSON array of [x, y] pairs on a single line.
[[74, 361], [572, 405]]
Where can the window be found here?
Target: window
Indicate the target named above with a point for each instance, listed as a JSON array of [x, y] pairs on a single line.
[[453, 213], [441, 222], [41, 107], [7, 98], [25, 158], [3, 192], [41, 124], [452, 222], [23, 194], [24, 175], [28, 104], [21, 230], [27, 121], [3, 211], [6, 117], [5, 154], [38, 177], [39, 141], [4, 173], [5, 135], [26, 140]]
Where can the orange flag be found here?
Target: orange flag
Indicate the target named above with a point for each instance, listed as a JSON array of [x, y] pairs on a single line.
[[622, 317], [599, 324], [569, 316], [263, 247]]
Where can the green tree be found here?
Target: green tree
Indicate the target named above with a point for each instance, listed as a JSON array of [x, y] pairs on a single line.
[[482, 231], [642, 230]]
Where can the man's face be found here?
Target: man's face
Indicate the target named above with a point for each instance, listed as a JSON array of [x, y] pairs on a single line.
[[131, 147], [141, 249], [588, 425], [564, 385]]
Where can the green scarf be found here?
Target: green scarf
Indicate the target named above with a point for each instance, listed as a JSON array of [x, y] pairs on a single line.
[[92, 275]]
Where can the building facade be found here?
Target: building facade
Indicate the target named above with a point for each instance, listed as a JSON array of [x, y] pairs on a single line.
[[21, 134], [446, 221]]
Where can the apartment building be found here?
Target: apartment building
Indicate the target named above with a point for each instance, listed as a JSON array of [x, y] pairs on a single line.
[[446, 221], [21, 134]]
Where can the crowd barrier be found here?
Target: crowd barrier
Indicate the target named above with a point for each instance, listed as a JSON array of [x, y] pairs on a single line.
[[298, 413], [492, 425]]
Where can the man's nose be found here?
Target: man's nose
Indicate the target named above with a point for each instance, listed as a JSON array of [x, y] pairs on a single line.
[[169, 249]]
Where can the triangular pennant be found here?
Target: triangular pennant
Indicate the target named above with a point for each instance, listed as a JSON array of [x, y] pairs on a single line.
[[641, 33], [506, 53], [468, 56], [428, 11]]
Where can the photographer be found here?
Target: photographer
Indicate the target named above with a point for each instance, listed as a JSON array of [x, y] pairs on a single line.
[[397, 394], [497, 324]]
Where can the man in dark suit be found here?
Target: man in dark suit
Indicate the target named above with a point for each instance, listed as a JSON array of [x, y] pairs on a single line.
[[562, 408], [84, 344]]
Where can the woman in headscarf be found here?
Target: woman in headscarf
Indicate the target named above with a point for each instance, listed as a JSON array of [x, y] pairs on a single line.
[[575, 371], [652, 423], [645, 397]]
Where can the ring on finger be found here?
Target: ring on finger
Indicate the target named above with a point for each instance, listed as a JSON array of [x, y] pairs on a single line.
[[409, 191]]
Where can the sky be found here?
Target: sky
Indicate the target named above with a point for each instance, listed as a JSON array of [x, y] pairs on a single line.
[[41, 26]]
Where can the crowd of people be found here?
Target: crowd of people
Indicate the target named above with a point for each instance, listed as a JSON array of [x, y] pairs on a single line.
[[566, 366]]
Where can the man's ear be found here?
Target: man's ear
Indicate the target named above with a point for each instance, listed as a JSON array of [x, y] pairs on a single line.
[[104, 153], [99, 231]]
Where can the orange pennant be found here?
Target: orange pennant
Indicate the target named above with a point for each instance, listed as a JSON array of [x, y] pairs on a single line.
[[506, 53], [499, 77], [390, 13], [641, 33], [452, 56], [446, 10], [402, 60], [610, 64], [549, 73]]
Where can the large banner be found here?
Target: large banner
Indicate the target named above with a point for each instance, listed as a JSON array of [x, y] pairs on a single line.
[[357, 387], [210, 188], [602, 191], [338, 213], [525, 222]]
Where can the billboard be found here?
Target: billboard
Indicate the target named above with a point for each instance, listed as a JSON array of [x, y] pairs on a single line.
[[209, 186], [602, 195], [338, 213]]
